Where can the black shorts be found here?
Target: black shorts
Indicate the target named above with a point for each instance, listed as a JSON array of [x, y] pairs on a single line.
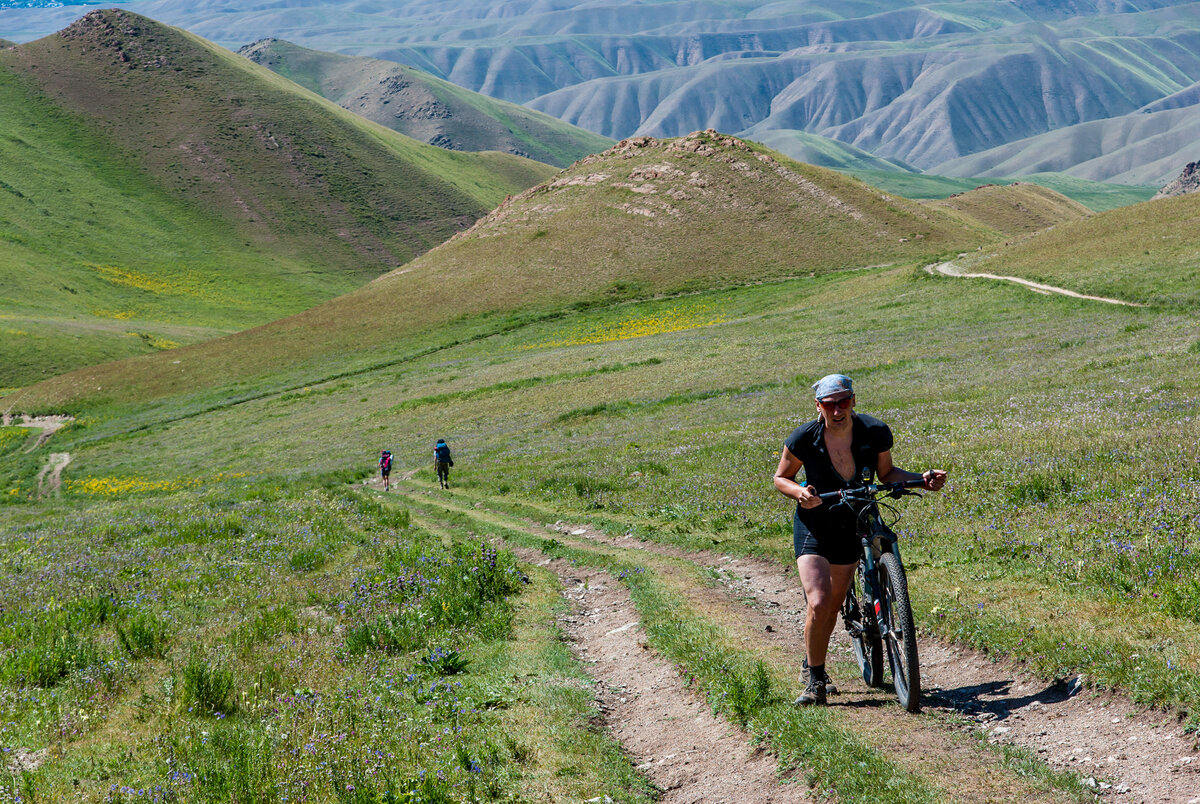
[[842, 548], [385, 472]]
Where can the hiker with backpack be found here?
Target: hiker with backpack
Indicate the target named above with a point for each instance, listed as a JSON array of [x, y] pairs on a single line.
[[385, 467], [442, 462]]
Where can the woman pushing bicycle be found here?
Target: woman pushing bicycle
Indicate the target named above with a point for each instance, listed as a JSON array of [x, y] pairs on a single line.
[[840, 449]]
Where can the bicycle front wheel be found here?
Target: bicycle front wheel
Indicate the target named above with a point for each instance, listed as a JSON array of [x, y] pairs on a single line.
[[901, 638], [864, 633]]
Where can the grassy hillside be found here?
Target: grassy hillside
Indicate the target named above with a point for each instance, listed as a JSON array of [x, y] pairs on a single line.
[[643, 219], [1014, 209], [1145, 253], [426, 108], [159, 191]]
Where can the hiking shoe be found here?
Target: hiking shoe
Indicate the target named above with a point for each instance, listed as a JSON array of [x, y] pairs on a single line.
[[814, 693], [830, 688]]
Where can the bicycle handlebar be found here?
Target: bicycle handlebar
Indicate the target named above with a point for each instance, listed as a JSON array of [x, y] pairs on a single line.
[[861, 492]]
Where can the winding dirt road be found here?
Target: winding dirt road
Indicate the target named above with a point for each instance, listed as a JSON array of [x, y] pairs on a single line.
[[950, 269]]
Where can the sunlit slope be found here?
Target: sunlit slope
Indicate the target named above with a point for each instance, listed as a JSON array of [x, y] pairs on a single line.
[[1014, 209], [1146, 253], [644, 218], [159, 190], [425, 107]]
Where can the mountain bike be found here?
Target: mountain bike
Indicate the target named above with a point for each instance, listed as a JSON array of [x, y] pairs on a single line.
[[876, 611]]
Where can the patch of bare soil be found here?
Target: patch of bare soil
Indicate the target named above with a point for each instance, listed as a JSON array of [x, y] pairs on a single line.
[[1128, 753], [49, 480], [666, 728], [49, 425]]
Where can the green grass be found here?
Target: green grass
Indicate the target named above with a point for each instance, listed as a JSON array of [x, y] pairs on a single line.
[[122, 232], [1145, 254], [1096, 196], [584, 240], [224, 674]]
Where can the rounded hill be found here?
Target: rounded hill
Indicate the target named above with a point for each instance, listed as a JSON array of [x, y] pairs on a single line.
[[1014, 209], [156, 190], [644, 218]]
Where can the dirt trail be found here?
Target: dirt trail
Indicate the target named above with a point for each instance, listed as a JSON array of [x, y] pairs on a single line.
[[1130, 754], [49, 480], [950, 269], [49, 425], [1125, 753], [668, 730]]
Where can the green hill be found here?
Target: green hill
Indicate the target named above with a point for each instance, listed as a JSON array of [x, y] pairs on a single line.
[[643, 219], [1014, 209], [426, 108], [1096, 196], [1146, 253], [159, 190]]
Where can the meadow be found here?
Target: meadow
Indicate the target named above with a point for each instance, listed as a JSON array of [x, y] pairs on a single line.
[[214, 580]]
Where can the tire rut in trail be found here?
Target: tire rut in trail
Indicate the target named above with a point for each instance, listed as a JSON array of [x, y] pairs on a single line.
[[1143, 756], [668, 730], [957, 764]]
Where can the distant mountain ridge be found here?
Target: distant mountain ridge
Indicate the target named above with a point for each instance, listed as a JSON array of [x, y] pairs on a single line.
[[921, 83]]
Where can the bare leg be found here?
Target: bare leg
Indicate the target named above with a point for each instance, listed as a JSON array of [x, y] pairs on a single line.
[[825, 588]]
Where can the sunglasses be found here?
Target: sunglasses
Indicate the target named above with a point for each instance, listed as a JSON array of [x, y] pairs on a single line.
[[836, 404]]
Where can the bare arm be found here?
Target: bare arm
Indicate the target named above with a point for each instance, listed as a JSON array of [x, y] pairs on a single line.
[[785, 481], [888, 472]]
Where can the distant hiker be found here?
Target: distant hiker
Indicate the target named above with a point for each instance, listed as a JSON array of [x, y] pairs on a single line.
[[839, 449], [385, 467], [442, 462]]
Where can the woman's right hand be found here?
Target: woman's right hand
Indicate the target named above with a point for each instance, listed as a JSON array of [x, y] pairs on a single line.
[[808, 498]]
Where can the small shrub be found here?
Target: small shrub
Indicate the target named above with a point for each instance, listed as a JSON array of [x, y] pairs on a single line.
[[144, 635], [652, 468], [1040, 486], [266, 626], [207, 686], [746, 696], [445, 661], [307, 559], [48, 657]]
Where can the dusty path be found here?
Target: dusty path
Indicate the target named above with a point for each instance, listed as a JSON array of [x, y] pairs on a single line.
[[950, 269], [49, 425], [49, 480], [1125, 753], [1131, 754], [668, 730]]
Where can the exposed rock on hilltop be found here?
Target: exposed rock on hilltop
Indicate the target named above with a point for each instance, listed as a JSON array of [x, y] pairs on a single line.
[[119, 34], [1188, 182]]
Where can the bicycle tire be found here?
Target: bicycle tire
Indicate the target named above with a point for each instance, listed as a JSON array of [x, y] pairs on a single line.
[[868, 646], [902, 633]]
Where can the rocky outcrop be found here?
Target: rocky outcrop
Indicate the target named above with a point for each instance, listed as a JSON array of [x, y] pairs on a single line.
[[1188, 182]]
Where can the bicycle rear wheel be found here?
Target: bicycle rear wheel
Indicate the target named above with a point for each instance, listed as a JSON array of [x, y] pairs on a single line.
[[901, 633], [864, 633]]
